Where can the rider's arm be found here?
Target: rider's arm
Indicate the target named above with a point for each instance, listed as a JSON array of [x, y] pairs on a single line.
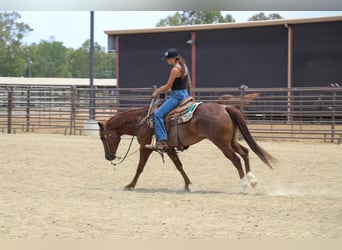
[[173, 75]]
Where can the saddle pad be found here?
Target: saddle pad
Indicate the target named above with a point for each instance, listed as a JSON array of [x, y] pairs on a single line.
[[179, 117], [182, 118]]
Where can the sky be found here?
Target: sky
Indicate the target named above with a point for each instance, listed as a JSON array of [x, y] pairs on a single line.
[[72, 28]]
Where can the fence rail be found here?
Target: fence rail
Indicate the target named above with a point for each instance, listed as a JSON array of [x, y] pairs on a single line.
[[279, 113]]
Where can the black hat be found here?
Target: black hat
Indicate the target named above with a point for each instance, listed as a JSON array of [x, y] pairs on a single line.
[[170, 53]]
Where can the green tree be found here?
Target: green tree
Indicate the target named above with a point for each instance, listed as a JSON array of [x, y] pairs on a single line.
[[12, 56], [51, 60], [195, 17], [48, 58], [261, 16], [31, 58], [104, 63], [79, 63]]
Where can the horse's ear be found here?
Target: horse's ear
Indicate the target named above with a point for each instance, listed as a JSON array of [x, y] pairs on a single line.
[[100, 125]]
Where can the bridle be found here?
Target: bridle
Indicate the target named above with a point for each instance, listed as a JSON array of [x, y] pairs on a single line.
[[105, 139], [106, 136]]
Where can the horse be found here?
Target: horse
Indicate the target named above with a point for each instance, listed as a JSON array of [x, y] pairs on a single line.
[[228, 99], [212, 121]]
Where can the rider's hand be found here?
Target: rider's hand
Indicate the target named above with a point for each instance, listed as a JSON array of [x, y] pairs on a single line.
[[155, 93]]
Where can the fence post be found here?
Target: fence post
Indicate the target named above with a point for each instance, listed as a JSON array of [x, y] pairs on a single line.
[[289, 105], [73, 110], [9, 109], [28, 101], [242, 89], [333, 115]]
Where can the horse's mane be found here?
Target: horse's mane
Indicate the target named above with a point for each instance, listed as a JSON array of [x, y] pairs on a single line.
[[129, 113]]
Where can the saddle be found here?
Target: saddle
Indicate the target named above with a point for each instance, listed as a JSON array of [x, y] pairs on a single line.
[[180, 115]]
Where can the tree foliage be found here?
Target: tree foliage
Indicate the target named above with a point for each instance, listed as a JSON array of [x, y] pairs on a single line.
[[194, 17], [48, 58], [104, 63], [11, 53], [261, 16], [52, 60]]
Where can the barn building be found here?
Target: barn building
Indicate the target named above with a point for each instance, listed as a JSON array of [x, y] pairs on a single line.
[[262, 54]]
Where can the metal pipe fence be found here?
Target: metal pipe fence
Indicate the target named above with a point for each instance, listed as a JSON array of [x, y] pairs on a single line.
[[277, 113]]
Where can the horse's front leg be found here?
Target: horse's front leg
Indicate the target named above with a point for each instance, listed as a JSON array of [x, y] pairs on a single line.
[[144, 155], [175, 159]]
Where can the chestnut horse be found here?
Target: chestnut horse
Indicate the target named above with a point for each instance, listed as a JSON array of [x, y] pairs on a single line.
[[212, 121], [235, 101]]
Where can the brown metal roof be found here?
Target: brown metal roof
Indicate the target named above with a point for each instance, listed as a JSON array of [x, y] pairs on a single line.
[[55, 81], [225, 25]]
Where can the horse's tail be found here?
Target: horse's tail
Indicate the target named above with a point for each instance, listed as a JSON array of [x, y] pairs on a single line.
[[239, 120]]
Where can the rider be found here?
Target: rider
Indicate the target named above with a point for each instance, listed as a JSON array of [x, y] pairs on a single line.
[[177, 82]]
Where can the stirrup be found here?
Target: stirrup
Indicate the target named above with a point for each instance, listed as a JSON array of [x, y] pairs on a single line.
[[153, 144], [162, 146], [159, 146]]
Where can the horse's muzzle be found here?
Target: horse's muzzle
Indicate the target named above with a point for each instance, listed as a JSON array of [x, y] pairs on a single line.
[[110, 157]]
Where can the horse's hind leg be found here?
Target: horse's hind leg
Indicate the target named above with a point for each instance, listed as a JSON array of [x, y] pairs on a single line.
[[229, 152], [243, 152], [175, 159]]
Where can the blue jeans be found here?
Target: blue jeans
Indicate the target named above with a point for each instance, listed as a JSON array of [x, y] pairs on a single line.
[[177, 96]]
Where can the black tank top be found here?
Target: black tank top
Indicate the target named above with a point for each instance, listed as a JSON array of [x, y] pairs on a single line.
[[179, 83]]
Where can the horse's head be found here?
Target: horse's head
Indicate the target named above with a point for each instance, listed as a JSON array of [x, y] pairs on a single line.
[[110, 140]]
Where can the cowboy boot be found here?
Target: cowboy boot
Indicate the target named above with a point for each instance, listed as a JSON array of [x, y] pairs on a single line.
[[162, 146]]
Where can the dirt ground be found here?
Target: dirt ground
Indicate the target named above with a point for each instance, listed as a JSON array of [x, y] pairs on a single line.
[[61, 187]]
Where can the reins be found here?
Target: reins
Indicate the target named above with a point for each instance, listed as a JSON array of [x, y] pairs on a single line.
[[130, 144], [126, 155], [153, 99]]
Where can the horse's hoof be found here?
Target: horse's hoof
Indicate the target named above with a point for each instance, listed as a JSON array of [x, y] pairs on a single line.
[[187, 188], [252, 179], [243, 191], [129, 188]]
